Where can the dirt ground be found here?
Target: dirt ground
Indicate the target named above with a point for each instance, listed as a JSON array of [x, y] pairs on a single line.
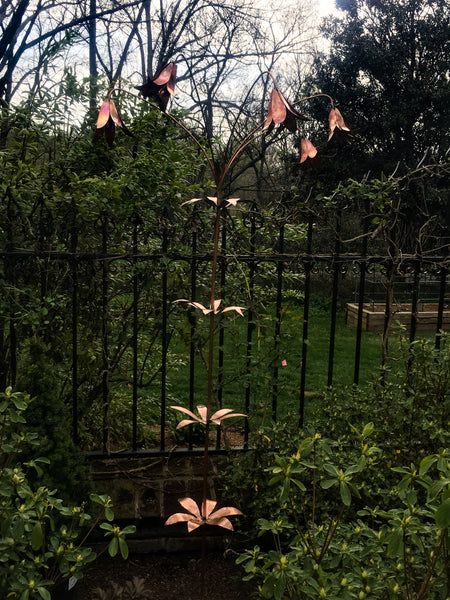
[[172, 576]]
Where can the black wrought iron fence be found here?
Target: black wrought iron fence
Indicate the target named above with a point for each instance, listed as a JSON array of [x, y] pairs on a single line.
[[98, 296]]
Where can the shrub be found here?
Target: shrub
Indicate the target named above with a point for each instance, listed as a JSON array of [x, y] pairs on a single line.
[[325, 548], [42, 540]]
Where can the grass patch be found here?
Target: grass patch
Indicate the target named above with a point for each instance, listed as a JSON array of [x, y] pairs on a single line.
[[275, 369]]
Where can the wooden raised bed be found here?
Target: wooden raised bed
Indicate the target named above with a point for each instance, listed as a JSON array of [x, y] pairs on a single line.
[[373, 316]]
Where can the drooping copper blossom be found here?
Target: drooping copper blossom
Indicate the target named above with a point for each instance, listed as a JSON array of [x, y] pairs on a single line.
[[216, 418], [281, 114], [308, 154], [108, 118], [195, 518], [338, 129], [161, 87]]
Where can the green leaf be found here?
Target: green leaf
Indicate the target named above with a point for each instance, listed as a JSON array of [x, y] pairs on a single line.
[[129, 529], [368, 429], [425, 464], [345, 493], [113, 547], [285, 491], [123, 548], [395, 545], [37, 536], [442, 515], [44, 593], [327, 483], [109, 514]]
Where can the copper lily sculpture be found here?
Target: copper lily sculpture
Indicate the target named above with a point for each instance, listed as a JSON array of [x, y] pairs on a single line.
[[281, 115]]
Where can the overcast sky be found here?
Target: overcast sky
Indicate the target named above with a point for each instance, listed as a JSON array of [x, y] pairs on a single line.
[[326, 6]]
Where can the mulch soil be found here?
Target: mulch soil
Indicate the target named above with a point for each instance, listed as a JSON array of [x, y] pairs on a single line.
[[167, 576]]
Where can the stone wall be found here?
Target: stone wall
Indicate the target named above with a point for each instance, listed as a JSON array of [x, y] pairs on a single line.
[[145, 491]]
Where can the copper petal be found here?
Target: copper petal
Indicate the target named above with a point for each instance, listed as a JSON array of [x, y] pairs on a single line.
[[335, 119], [194, 524], [238, 309], [224, 413], [208, 508], [277, 107], [190, 505], [178, 518], [202, 411], [186, 412], [223, 522], [103, 114], [226, 511], [167, 76], [307, 150]]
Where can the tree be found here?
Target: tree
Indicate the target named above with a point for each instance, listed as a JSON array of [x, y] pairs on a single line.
[[388, 65]]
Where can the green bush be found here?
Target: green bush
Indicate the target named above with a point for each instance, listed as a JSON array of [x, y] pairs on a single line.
[[42, 540], [342, 517], [323, 547]]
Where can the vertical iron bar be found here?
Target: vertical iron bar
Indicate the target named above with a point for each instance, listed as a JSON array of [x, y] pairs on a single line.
[[307, 266], [414, 307], [362, 286], [440, 318], [387, 317], [221, 357], [250, 324], [11, 279], [135, 328], [105, 350], [415, 301], [193, 323], [164, 334], [337, 248], [277, 324], [74, 273]]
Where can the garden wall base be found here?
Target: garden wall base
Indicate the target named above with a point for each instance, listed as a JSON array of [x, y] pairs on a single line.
[[145, 492]]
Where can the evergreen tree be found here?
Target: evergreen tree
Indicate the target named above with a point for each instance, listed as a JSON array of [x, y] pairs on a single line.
[[388, 65]]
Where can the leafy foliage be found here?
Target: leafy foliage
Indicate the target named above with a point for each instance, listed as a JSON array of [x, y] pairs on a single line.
[[42, 540], [333, 540]]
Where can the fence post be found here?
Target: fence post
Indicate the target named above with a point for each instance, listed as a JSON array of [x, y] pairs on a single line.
[[362, 286], [336, 268], [74, 275], [105, 349], [307, 262]]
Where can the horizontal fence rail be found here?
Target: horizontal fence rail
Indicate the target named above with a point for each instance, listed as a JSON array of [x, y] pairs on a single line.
[[98, 302]]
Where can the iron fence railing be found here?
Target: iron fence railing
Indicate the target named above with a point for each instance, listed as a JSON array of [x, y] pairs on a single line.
[[101, 297]]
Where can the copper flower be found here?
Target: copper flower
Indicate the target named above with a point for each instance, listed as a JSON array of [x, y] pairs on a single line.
[[108, 118], [161, 87], [213, 309], [215, 200], [216, 418], [281, 114], [195, 518], [338, 129], [308, 154]]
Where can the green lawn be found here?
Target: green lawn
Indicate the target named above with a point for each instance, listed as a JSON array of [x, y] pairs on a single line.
[[266, 361]]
